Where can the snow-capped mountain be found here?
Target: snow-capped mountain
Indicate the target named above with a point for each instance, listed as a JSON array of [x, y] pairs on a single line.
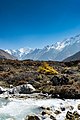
[[58, 51], [20, 53], [5, 55]]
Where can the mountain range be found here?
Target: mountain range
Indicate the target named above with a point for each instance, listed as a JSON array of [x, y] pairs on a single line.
[[5, 55], [58, 51]]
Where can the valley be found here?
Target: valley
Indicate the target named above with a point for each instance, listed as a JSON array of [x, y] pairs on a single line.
[[39, 90]]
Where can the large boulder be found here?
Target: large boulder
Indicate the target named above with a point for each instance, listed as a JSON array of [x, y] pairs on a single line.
[[64, 80], [59, 81], [55, 80], [69, 116], [22, 89]]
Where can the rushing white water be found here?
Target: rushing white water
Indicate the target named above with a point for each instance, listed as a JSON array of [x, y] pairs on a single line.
[[17, 109]]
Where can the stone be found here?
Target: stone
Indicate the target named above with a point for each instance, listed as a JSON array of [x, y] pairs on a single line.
[[76, 114], [55, 80], [48, 112], [57, 112], [62, 108], [43, 112], [52, 117], [22, 89], [48, 108], [32, 117], [70, 116], [79, 107], [43, 108]]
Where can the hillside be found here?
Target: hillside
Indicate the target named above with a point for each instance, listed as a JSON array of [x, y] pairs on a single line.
[[62, 78], [73, 57], [5, 55]]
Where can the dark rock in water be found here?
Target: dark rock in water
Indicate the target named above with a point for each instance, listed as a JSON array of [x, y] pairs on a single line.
[[79, 107], [76, 114], [32, 118], [48, 108], [70, 116], [57, 112], [52, 117], [62, 108], [43, 108], [59, 81], [43, 112], [46, 112]]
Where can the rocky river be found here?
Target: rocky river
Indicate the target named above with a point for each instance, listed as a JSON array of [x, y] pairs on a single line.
[[17, 108]]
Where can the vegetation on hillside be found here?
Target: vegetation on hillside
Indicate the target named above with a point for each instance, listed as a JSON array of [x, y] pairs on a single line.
[[46, 69]]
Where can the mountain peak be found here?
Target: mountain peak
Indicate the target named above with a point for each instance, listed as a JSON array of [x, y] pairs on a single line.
[[22, 50]]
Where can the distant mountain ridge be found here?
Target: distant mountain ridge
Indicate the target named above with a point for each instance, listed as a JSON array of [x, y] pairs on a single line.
[[73, 57], [5, 55], [58, 51], [20, 53]]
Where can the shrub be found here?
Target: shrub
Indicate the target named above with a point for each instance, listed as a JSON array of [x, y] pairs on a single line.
[[46, 69], [39, 77]]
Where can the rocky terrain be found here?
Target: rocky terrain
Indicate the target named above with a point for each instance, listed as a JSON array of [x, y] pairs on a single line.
[[39, 90], [57, 79]]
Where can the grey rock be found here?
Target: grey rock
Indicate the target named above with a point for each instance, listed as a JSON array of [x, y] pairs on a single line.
[[22, 89], [79, 107]]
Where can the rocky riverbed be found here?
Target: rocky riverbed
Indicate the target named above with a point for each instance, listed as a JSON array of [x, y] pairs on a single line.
[[39, 109]]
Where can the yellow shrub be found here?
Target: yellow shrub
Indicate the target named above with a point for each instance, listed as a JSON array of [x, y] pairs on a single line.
[[46, 69]]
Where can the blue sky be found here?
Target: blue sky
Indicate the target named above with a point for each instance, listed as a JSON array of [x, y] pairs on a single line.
[[37, 23]]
